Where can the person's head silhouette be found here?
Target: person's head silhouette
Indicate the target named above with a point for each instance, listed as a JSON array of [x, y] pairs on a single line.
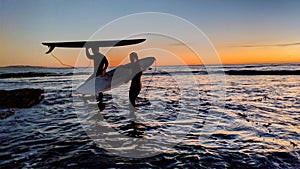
[[133, 57], [95, 50]]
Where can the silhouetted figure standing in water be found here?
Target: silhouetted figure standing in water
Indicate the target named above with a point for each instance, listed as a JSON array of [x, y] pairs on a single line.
[[100, 66], [136, 83]]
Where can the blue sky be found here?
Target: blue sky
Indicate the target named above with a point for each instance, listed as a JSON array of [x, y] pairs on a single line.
[[226, 22]]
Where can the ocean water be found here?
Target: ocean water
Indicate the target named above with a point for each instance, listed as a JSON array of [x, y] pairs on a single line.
[[196, 116]]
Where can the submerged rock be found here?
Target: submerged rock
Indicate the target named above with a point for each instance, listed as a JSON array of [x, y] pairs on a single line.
[[20, 98]]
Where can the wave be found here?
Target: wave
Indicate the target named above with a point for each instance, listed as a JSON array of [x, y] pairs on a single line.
[[31, 74], [32, 67], [176, 72], [263, 72], [231, 72]]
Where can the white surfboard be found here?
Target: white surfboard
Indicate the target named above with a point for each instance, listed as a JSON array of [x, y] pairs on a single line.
[[114, 78]]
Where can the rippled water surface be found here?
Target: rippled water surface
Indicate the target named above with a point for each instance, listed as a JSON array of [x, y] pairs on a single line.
[[188, 117]]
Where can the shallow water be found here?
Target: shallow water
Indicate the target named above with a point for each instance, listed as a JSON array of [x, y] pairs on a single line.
[[186, 120]]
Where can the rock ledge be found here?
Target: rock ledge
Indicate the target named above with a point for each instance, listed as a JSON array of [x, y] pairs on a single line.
[[20, 98]]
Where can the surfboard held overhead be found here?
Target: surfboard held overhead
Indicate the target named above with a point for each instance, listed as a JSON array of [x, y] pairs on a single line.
[[84, 44]]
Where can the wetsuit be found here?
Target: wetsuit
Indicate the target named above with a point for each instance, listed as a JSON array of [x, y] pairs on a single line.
[[100, 63], [136, 84]]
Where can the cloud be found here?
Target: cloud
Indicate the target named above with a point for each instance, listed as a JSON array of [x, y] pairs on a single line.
[[269, 45], [178, 44]]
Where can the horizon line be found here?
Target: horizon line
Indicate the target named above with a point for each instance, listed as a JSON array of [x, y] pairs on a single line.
[[266, 63]]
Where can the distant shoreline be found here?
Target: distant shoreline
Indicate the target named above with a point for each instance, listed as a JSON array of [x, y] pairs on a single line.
[[247, 72], [58, 67]]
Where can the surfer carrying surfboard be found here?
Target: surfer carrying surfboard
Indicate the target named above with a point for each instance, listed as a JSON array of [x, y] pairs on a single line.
[[136, 83], [100, 65], [100, 61]]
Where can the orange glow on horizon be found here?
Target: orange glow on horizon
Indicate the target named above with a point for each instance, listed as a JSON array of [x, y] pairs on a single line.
[[166, 55], [260, 55]]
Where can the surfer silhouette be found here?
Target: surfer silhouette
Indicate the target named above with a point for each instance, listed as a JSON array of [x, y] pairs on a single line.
[[100, 61], [136, 83], [100, 66]]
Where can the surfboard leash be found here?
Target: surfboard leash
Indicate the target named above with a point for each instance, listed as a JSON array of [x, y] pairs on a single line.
[[55, 57], [62, 63], [150, 81]]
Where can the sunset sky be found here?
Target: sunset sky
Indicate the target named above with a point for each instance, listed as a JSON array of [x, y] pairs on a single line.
[[242, 31]]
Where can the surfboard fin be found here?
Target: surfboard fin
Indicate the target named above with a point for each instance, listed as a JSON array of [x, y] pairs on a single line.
[[50, 49]]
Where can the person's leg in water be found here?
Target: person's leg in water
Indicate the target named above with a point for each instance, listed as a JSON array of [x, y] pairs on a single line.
[[100, 97], [133, 93], [100, 101]]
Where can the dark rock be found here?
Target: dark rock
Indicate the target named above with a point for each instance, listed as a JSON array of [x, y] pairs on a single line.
[[20, 98], [267, 125]]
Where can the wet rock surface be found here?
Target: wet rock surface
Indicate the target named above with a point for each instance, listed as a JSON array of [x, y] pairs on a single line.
[[20, 98]]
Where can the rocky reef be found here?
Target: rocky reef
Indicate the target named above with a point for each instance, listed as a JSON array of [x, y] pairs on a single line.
[[20, 98]]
